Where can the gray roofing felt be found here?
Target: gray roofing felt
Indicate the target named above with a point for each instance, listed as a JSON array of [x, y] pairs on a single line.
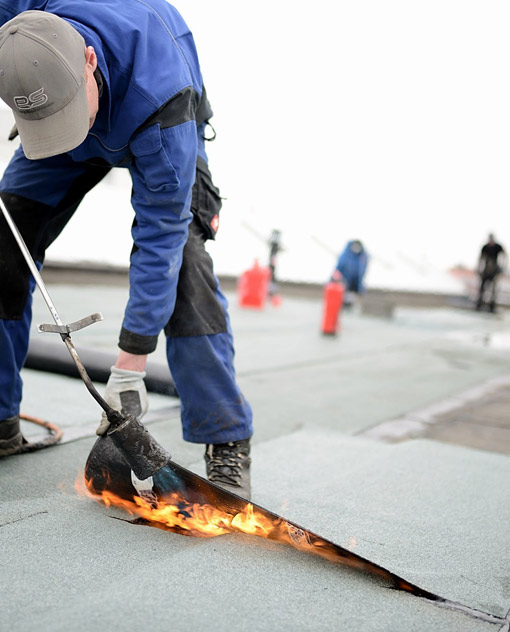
[[434, 513]]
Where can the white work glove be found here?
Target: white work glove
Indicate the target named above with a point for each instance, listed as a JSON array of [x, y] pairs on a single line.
[[125, 392]]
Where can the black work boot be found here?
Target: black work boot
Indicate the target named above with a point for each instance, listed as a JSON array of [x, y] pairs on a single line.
[[11, 438], [228, 465]]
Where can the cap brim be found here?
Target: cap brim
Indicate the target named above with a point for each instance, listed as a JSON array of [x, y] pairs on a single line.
[[58, 133]]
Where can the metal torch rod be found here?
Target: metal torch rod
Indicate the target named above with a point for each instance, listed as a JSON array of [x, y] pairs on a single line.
[[66, 337]]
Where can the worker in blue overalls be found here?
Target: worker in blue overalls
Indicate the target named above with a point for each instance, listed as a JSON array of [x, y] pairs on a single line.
[[351, 268], [95, 85]]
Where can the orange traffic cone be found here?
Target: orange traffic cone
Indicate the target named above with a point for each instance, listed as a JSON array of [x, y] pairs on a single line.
[[252, 287], [333, 300]]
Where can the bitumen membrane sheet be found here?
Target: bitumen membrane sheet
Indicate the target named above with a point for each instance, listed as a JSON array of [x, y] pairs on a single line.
[[350, 442]]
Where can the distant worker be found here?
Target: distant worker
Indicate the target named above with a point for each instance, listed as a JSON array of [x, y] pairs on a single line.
[[491, 263], [351, 268], [275, 246]]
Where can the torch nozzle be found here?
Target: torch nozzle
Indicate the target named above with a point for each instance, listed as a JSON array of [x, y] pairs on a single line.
[[142, 452]]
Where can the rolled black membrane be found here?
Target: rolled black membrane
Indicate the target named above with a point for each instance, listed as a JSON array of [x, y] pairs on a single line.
[[55, 358]]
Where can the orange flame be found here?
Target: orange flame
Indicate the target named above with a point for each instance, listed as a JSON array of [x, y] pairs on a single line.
[[175, 512]]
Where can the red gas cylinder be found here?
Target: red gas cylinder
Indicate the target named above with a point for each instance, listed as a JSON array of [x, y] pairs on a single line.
[[333, 300], [252, 287]]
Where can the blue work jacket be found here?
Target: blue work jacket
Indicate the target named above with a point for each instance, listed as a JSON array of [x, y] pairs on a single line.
[[147, 58], [353, 266]]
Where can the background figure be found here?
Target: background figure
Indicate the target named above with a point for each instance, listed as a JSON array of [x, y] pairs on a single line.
[[491, 263], [275, 246], [351, 268]]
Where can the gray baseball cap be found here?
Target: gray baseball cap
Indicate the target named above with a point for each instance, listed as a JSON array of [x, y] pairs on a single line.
[[42, 65]]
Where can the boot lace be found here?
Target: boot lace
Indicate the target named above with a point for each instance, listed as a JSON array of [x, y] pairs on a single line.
[[225, 463]]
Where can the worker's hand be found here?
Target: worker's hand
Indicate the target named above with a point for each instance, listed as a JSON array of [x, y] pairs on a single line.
[[125, 392]]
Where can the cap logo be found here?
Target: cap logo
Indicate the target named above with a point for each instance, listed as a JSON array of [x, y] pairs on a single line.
[[33, 100]]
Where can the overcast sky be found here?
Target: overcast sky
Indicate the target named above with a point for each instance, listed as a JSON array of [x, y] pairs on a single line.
[[383, 119]]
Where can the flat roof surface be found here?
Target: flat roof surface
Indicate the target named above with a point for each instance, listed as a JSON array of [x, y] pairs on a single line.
[[344, 445]]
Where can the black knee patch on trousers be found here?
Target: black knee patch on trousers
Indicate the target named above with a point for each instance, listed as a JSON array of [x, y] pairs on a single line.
[[197, 310], [28, 216], [39, 225]]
